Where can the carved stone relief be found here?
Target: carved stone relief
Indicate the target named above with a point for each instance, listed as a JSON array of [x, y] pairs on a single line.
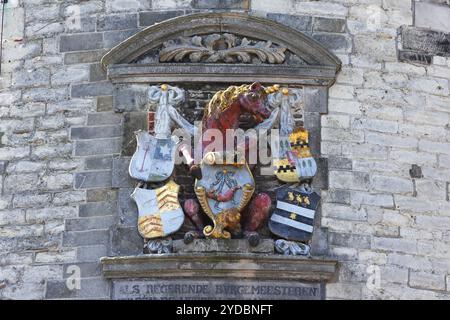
[[225, 48]]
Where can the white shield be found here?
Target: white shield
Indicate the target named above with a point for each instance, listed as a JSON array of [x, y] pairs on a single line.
[[160, 213], [154, 158]]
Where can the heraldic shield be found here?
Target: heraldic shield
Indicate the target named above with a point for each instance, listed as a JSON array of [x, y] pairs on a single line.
[[293, 218], [160, 213], [154, 158], [224, 190]]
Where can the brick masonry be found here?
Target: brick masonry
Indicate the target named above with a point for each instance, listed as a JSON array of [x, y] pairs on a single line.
[[63, 145]]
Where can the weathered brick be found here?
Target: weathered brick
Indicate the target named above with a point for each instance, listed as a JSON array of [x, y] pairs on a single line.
[[93, 179], [85, 238], [332, 134], [24, 166], [20, 231], [349, 240], [393, 274], [31, 78], [126, 241], [321, 8], [104, 118], [81, 133], [17, 126], [27, 110], [43, 29], [221, 4], [382, 200], [98, 163], [341, 196], [37, 274], [65, 165], [391, 184], [376, 125], [391, 140], [84, 224], [120, 5], [349, 180], [395, 244], [434, 147], [329, 25], [69, 75], [46, 94], [20, 182], [44, 12], [339, 163], [343, 212], [432, 222], [31, 200], [340, 290], [92, 89], [105, 103], [432, 86], [52, 151], [117, 22], [301, 23], [83, 57], [34, 215], [51, 123], [335, 42], [69, 197], [430, 189], [342, 92], [21, 258], [91, 253], [150, 18], [80, 23], [97, 147], [70, 108], [96, 73], [120, 175], [95, 288], [56, 181], [81, 42], [425, 40], [60, 256], [98, 195], [426, 280], [94, 209], [12, 217], [113, 38]]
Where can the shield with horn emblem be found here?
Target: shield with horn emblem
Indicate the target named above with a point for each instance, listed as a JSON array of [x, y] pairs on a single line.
[[224, 190], [160, 213]]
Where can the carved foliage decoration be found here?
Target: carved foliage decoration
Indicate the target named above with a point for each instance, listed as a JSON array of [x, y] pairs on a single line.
[[225, 48]]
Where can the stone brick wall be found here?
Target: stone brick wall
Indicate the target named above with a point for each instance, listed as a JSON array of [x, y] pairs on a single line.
[[386, 137]]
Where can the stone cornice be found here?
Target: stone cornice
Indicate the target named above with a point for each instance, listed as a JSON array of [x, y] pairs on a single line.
[[220, 265]]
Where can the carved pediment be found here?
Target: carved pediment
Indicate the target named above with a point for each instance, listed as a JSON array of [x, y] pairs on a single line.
[[191, 47]]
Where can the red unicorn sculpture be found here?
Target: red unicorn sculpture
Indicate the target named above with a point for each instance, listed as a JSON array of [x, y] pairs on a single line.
[[223, 112]]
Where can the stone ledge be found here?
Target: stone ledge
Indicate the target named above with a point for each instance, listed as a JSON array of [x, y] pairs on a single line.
[[210, 73], [230, 245], [220, 265]]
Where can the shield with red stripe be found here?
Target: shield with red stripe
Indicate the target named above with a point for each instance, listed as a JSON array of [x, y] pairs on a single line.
[[293, 218]]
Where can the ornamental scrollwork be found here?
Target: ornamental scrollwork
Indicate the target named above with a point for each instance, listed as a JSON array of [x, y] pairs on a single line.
[[221, 48]]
